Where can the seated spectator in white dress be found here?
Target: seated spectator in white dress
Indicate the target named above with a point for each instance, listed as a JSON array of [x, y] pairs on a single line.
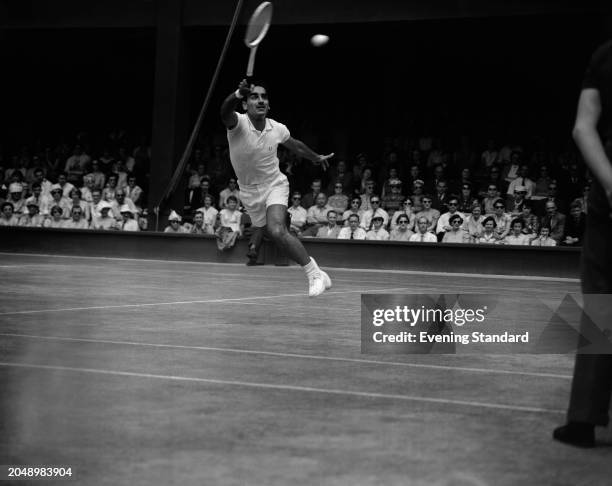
[[106, 220], [422, 233], [405, 210], [316, 216], [444, 221], [16, 198], [77, 219], [432, 215], [516, 235], [502, 219], [108, 193], [97, 176], [33, 218], [544, 239], [378, 232], [133, 191], [120, 200], [230, 190], [198, 227], [338, 201], [58, 199], [455, 234], [76, 201], [353, 231], [353, 209], [7, 218], [331, 230], [376, 210], [64, 185], [473, 223], [230, 225], [489, 235], [297, 214], [402, 231], [128, 223], [56, 220], [209, 215], [174, 224]]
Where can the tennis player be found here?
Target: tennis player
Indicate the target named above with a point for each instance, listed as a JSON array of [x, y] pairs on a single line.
[[253, 142], [592, 382]]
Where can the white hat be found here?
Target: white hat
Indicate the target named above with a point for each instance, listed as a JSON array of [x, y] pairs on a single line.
[[56, 187], [15, 187], [126, 209], [174, 216], [104, 205]]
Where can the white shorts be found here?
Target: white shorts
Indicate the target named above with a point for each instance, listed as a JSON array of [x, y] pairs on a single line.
[[256, 198]]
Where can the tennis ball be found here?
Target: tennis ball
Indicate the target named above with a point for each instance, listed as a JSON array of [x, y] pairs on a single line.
[[319, 40]]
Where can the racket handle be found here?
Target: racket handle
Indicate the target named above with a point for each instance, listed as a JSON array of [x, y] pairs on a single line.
[[251, 64]]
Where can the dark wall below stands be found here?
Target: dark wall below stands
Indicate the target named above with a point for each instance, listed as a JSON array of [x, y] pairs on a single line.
[[501, 260]]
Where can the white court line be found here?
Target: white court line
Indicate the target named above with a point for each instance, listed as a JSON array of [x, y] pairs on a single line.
[[295, 267], [209, 301], [269, 386], [292, 355]]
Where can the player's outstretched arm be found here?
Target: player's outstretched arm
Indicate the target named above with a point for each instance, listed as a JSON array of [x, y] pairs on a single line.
[[228, 107], [300, 148], [588, 140]]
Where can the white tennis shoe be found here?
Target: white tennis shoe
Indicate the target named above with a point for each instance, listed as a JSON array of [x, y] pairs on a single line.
[[316, 285]]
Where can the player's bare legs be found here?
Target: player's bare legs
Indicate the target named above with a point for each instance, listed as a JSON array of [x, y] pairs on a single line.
[[293, 248]]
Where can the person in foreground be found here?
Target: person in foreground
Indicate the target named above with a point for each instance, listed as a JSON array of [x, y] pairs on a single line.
[[592, 381], [264, 191]]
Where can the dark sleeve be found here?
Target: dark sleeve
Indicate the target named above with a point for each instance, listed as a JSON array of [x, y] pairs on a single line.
[[594, 76]]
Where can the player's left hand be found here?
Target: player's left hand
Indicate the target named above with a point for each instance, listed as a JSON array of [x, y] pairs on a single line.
[[323, 160]]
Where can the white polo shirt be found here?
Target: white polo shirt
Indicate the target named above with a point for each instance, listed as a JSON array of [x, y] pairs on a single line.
[[254, 153]]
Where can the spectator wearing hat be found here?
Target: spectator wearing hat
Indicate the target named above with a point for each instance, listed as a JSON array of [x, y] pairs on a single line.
[[56, 220], [353, 231], [230, 190], [7, 217], [376, 210], [105, 221], [316, 216], [33, 218], [392, 201], [406, 209], [514, 205], [444, 220], [524, 181], [297, 214], [355, 208], [402, 231], [430, 213], [332, 229], [488, 236], [575, 226], [120, 200], [209, 215], [422, 234], [338, 201], [377, 233], [16, 198], [174, 224], [456, 234], [77, 219], [516, 235], [128, 222], [58, 199], [473, 223]]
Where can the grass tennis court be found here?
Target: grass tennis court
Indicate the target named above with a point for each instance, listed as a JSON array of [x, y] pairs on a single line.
[[157, 372]]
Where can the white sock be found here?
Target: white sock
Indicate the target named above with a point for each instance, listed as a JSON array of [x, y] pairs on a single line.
[[311, 269]]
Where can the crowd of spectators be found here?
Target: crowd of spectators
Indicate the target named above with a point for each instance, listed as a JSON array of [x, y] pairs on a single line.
[[73, 186], [414, 190]]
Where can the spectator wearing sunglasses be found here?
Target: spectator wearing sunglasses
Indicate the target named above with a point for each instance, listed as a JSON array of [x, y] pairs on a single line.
[[522, 180], [355, 208], [456, 234], [444, 221], [378, 232], [377, 210], [405, 210], [297, 214], [402, 231]]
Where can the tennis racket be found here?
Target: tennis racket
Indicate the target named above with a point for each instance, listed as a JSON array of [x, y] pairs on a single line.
[[256, 31]]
